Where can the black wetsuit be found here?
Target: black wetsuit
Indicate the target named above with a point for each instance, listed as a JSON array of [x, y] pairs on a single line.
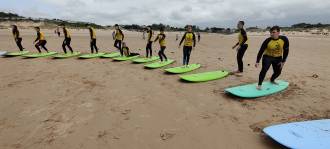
[[161, 37], [149, 44], [67, 41], [273, 52], [41, 42], [18, 39], [93, 41], [242, 42], [119, 36], [190, 41]]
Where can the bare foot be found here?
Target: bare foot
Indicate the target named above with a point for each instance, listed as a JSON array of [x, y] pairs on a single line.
[[258, 87], [273, 82]]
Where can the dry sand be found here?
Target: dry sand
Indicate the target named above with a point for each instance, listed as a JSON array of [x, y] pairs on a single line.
[[100, 104]]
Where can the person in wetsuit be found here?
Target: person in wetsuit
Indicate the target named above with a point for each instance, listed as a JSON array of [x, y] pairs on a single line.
[[67, 40], [241, 46], [149, 42], [274, 51], [126, 50], [162, 43], [199, 36], [189, 39], [40, 40], [17, 37], [119, 37], [93, 40]]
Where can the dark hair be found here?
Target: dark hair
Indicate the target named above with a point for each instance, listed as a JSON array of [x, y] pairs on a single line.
[[116, 24], [277, 28], [37, 27], [161, 29], [242, 22], [14, 28]]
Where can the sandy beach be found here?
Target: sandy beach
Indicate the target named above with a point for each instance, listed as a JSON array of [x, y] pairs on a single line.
[[100, 104]]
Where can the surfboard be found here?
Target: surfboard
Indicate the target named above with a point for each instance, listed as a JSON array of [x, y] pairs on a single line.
[[92, 55], [125, 58], [67, 55], [18, 53], [205, 76], [250, 91], [145, 60], [183, 69], [159, 64], [111, 55], [36, 55], [302, 135], [3, 53]]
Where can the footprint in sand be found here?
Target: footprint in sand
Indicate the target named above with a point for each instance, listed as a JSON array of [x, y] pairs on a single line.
[[165, 135]]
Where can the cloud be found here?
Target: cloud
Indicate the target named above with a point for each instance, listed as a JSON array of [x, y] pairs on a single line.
[[220, 13]]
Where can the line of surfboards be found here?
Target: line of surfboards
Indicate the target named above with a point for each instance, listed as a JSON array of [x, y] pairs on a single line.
[[244, 91], [302, 135]]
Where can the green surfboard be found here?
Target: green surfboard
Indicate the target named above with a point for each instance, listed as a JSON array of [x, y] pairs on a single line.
[[3, 53], [67, 55], [183, 69], [250, 91], [36, 55], [205, 76], [111, 55], [145, 60], [125, 58], [19, 53], [159, 64], [93, 55]]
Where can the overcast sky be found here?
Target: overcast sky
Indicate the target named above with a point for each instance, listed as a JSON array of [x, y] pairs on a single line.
[[220, 13]]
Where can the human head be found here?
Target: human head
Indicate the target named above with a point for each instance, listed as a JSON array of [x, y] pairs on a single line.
[[240, 24], [116, 26], [275, 32], [189, 28], [37, 28]]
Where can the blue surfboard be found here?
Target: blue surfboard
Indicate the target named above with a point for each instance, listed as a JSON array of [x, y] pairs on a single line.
[[302, 135]]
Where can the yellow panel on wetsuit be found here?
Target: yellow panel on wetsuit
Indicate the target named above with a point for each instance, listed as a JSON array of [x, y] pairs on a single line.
[[42, 36], [241, 35], [93, 35], [275, 47], [67, 33], [162, 41], [119, 35], [189, 39]]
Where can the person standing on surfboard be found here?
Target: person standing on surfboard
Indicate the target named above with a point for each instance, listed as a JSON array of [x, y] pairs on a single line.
[[93, 39], [274, 51], [40, 40], [149, 42], [67, 39], [119, 37], [189, 44], [241, 46], [161, 37], [17, 37]]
